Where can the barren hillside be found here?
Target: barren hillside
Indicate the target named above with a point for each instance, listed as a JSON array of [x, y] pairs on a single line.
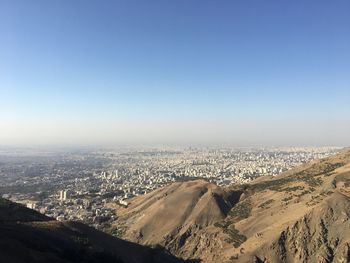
[[299, 216]]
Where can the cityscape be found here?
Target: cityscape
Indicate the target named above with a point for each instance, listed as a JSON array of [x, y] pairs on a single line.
[[174, 131], [79, 185]]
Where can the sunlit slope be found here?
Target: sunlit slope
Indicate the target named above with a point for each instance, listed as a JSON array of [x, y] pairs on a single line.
[[299, 216]]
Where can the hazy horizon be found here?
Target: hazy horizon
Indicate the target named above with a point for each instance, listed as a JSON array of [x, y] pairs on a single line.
[[202, 134], [175, 73]]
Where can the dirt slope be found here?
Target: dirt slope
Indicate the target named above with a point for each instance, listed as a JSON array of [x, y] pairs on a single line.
[[171, 212], [299, 216]]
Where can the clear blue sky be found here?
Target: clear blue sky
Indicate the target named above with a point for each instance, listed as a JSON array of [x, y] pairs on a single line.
[[181, 71]]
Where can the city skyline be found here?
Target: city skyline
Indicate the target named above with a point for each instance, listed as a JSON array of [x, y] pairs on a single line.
[[161, 72]]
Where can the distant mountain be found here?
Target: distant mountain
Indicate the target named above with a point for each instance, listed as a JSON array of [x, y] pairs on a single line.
[[28, 236], [302, 215]]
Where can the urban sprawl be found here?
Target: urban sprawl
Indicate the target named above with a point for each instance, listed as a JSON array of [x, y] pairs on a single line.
[[78, 184]]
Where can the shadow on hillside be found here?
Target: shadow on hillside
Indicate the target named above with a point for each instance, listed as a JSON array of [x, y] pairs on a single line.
[[161, 254]]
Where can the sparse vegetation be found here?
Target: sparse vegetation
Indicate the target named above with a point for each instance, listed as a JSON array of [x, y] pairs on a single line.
[[312, 181], [233, 258], [118, 232], [326, 193], [293, 189], [266, 204], [234, 236], [223, 225], [310, 176], [303, 193], [315, 199], [287, 198], [274, 185], [241, 210]]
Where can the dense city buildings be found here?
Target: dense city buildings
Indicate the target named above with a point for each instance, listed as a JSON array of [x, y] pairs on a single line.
[[77, 185]]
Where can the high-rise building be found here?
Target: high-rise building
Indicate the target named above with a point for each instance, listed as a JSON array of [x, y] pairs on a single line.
[[31, 205], [63, 195]]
